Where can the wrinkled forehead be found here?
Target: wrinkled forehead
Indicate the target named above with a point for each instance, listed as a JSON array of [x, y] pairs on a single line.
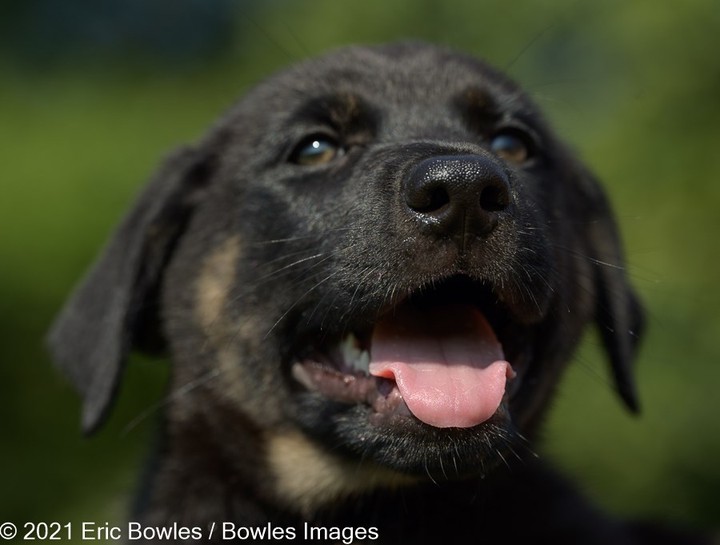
[[414, 79]]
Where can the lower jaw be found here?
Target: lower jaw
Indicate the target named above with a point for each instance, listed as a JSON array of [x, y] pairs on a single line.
[[393, 439], [379, 394], [409, 447]]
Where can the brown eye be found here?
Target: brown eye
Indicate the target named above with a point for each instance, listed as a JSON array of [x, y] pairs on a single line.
[[511, 146], [316, 150]]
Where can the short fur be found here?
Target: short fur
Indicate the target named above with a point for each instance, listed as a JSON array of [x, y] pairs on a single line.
[[239, 260]]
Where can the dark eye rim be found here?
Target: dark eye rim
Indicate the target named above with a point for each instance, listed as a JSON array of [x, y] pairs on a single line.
[[526, 135], [308, 139]]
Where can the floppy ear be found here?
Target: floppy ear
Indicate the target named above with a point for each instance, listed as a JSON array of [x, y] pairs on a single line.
[[101, 321], [618, 312]]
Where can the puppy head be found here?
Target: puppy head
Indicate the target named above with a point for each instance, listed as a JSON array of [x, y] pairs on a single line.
[[384, 250]]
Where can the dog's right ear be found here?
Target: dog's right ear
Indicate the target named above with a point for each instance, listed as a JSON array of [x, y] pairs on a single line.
[[99, 324]]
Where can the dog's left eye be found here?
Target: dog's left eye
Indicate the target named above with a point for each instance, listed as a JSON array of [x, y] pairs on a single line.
[[316, 150], [512, 145]]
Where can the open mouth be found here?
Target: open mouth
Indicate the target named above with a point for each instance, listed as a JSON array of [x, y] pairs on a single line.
[[435, 356]]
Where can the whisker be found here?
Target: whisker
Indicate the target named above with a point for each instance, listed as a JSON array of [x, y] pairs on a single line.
[[280, 240], [289, 266], [427, 470], [442, 466], [499, 453], [590, 258], [284, 314], [172, 396]]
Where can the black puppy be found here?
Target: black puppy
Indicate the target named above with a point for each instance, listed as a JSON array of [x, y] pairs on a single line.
[[369, 277]]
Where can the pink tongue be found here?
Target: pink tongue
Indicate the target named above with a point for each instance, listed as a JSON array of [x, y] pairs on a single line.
[[446, 361]]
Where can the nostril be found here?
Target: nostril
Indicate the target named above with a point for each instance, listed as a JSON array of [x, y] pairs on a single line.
[[428, 199], [494, 197], [434, 199]]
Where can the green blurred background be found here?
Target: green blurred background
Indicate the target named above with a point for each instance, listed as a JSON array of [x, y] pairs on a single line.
[[92, 94]]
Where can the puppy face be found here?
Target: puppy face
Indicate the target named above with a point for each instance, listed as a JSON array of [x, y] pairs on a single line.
[[383, 251]]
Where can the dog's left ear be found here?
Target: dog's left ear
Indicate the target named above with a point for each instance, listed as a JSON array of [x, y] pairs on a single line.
[[115, 305], [618, 312]]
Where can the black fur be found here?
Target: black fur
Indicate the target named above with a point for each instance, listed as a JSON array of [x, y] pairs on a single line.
[[245, 256]]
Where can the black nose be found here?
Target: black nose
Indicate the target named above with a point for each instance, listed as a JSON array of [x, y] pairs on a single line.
[[457, 195]]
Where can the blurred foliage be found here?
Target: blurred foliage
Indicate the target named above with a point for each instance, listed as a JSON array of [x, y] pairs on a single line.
[[635, 86]]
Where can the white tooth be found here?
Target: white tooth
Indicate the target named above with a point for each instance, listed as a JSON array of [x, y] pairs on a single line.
[[302, 376], [363, 362], [352, 355], [350, 349]]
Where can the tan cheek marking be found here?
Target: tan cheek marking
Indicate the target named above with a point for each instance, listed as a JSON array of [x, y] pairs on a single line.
[[214, 283], [303, 475], [306, 476], [213, 286]]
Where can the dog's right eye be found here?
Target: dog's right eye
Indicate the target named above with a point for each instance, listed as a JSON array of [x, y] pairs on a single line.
[[316, 150]]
